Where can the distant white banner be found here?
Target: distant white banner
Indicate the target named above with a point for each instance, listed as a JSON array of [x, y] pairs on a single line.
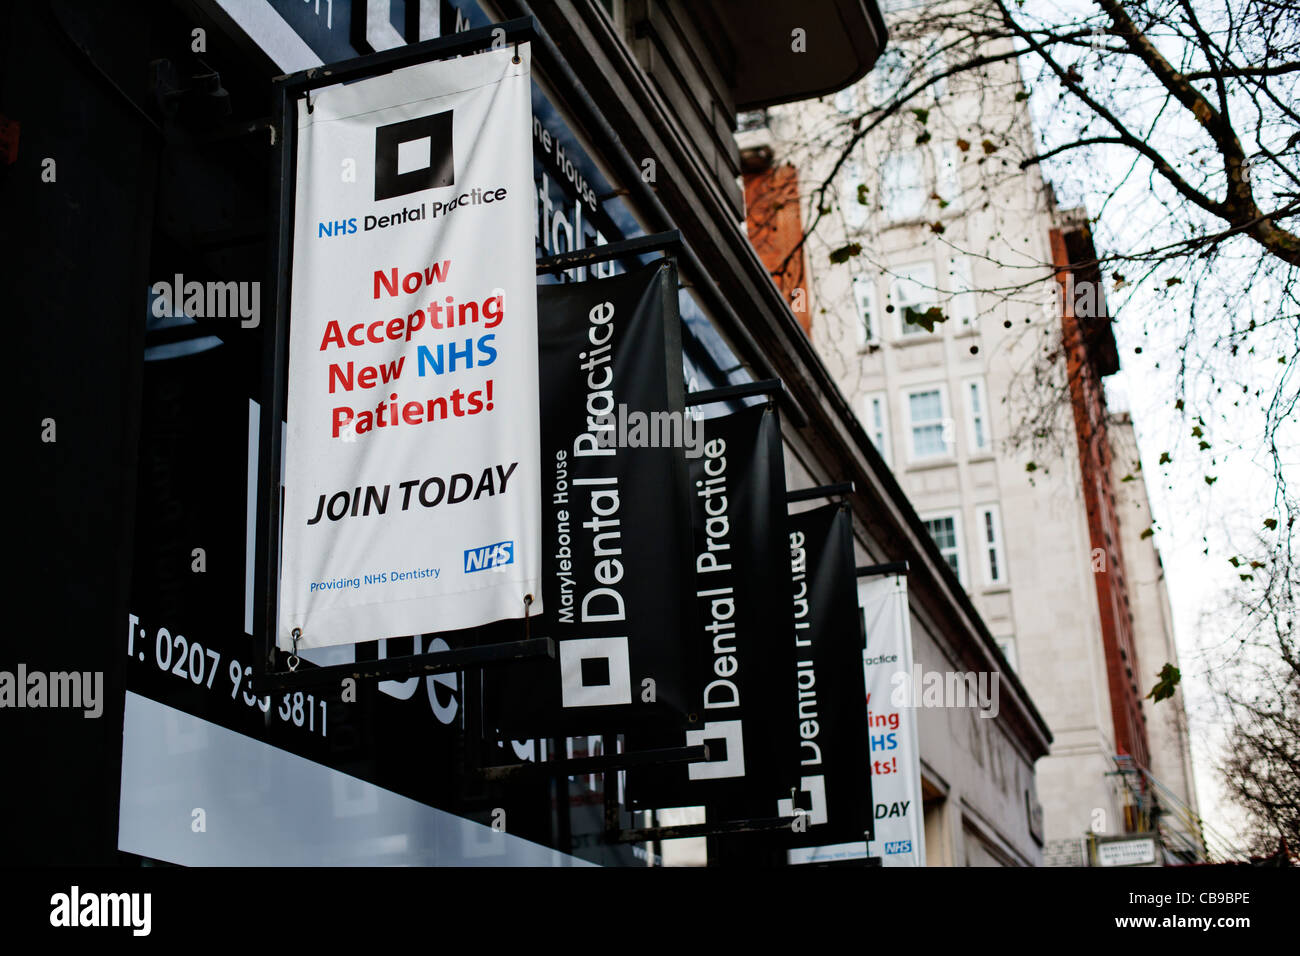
[[891, 723], [412, 488]]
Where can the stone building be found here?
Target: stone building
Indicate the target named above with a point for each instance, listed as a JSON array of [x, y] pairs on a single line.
[[962, 313]]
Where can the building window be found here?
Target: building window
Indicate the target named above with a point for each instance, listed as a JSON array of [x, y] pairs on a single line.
[[945, 532], [864, 297], [877, 422], [1007, 645], [912, 294], [751, 120], [928, 423], [978, 416], [888, 76], [909, 67], [614, 8], [855, 210], [989, 524], [961, 306], [902, 185], [846, 100], [947, 175], [936, 64]]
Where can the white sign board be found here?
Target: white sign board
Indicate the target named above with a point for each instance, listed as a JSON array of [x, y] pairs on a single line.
[[412, 487], [1140, 852], [891, 723]]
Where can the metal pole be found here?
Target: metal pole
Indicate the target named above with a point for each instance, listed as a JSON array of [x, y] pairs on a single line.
[[519, 30], [275, 335], [870, 570], [822, 491]]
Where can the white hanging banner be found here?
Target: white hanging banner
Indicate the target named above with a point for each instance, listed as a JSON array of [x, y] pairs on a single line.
[[891, 723], [412, 480]]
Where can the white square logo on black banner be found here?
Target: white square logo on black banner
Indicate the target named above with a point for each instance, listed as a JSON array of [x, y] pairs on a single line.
[[413, 155], [595, 672], [726, 743], [815, 787]]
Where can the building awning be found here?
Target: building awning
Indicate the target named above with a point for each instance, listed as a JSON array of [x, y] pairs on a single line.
[[843, 39]]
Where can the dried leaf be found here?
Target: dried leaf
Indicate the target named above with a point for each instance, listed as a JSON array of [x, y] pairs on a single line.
[[927, 319], [845, 253], [1169, 677]]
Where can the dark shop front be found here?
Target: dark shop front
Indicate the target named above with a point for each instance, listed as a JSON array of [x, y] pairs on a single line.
[[148, 197]]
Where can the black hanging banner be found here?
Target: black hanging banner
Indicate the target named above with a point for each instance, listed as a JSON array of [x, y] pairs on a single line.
[[739, 652], [828, 685], [615, 514]]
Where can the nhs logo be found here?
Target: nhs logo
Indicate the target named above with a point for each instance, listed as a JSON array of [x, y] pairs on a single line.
[[898, 846], [490, 556]]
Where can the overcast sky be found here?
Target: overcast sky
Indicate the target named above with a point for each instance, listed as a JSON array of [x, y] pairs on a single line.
[[1230, 510]]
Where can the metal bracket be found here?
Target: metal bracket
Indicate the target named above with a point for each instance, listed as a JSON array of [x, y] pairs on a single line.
[[648, 834], [893, 567], [727, 393], [436, 662], [666, 242], [522, 29], [822, 491], [602, 763], [772, 387]]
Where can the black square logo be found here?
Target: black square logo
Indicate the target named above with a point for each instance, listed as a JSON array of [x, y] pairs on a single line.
[[413, 155], [717, 748], [595, 671]]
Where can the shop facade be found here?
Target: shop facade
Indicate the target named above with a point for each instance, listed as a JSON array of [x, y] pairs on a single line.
[[144, 515]]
